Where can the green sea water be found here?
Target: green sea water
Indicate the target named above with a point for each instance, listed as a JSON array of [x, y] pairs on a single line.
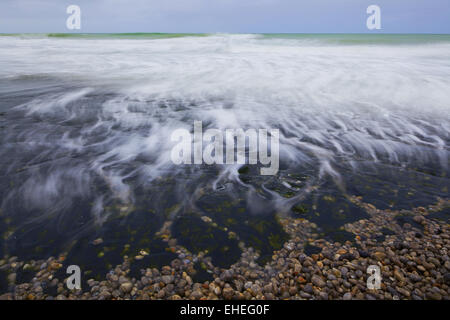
[[343, 39], [357, 39]]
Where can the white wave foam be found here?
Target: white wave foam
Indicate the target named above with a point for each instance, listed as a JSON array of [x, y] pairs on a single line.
[[377, 103]]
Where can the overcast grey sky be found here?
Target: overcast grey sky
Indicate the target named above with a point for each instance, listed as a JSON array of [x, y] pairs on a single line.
[[233, 16]]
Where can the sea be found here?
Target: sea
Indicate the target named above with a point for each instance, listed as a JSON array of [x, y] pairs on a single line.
[[85, 139]]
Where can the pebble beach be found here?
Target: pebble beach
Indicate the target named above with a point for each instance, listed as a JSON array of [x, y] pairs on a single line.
[[413, 259]]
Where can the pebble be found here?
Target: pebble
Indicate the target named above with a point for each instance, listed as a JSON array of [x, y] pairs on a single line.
[[167, 279], [379, 255], [126, 287], [228, 293], [347, 296], [317, 281], [12, 277], [399, 276], [98, 241], [308, 288]]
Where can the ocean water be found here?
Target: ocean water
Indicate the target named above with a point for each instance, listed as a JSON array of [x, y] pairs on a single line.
[[85, 125]]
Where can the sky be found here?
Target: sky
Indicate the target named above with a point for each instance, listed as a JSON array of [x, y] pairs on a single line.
[[225, 16]]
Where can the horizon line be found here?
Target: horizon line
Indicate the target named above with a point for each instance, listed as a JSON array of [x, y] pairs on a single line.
[[148, 32]]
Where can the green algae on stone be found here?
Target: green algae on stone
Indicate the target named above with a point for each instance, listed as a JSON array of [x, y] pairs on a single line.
[[262, 232], [300, 209], [121, 236], [329, 215], [197, 236]]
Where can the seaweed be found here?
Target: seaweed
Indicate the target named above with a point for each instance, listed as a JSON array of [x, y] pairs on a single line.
[[263, 232], [121, 236], [197, 236]]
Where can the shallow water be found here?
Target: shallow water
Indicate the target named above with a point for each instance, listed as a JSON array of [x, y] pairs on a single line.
[[85, 125]]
